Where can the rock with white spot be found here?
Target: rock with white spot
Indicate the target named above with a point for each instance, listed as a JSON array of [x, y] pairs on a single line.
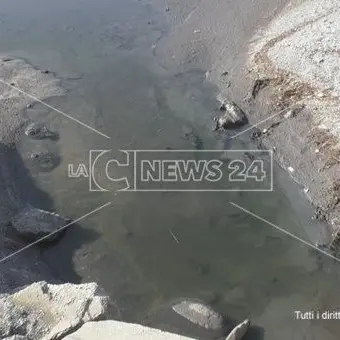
[[199, 314]]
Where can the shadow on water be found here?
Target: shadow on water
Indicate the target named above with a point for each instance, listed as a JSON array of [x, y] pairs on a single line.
[[18, 189]]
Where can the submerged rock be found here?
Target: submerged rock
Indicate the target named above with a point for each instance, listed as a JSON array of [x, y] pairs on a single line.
[[33, 223], [233, 116], [193, 138], [49, 312], [199, 314], [39, 131], [43, 161], [239, 331]]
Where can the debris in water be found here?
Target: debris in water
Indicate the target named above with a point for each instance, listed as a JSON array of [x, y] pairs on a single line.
[[173, 236], [259, 84]]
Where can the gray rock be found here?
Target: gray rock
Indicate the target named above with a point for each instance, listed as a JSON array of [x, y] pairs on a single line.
[[49, 312], [37, 131], [33, 223], [239, 331], [233, 116], [117, 330], [13, 319], [17, 337], [199, 314]]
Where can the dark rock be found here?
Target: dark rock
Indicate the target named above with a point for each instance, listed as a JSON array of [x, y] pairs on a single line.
[[33, 224], [233, 116], [255, 134], [259, 84]]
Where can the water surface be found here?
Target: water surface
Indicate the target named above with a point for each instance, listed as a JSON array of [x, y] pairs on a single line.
[[104, 53]]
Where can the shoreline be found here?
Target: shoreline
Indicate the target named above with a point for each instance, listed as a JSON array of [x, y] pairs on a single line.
[[304, 133], [241, 80]]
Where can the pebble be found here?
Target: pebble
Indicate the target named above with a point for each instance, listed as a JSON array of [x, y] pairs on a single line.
[[289, 114], [290, 169]]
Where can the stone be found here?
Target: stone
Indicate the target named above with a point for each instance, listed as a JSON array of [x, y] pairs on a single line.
[[13, 319], [37, 131], [50, 312], [199, 314], [239, 331], [233, 116], [117, 330], [33, 223]]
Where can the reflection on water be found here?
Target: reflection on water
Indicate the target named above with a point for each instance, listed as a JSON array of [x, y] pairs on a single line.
[[103, 51]]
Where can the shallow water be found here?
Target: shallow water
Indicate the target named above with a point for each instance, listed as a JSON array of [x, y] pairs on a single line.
[[103, 52]]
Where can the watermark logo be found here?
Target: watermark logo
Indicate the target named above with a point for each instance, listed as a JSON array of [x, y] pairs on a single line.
[[177, 170]]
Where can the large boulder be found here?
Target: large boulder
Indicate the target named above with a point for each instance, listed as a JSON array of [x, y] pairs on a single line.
[[49, 312], [199, 314], [13, 320], [116, 330], [33, 223]]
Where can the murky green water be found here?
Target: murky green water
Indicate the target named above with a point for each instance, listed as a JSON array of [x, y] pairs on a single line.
[[103, 52]]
